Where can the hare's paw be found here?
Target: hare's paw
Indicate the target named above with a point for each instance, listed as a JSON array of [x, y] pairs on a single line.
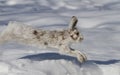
[[81, 57]]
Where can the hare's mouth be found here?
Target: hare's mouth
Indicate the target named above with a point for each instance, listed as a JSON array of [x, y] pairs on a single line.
[[79, 39]]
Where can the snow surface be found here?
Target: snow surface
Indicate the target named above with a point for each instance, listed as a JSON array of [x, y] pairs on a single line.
[[99, 22]]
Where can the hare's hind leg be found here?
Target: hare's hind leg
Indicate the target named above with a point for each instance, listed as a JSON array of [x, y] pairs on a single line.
[[80, 56]]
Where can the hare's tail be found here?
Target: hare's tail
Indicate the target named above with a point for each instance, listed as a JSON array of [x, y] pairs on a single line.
[[7, 34], [16, 31]]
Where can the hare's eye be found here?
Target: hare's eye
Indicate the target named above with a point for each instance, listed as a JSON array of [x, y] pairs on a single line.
[[77, 33]]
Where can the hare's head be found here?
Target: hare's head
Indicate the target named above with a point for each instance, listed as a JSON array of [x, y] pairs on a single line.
[[75, 34]]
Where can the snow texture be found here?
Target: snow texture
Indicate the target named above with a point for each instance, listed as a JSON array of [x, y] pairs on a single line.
[[99, 22]]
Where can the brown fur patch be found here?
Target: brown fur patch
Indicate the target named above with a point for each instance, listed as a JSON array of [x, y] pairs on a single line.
[[42, 33], [63, 38], [52, 36], [35, 32], [62, 34], [45, 43]]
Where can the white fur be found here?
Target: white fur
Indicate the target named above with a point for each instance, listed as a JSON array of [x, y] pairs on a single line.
[[61, 40]]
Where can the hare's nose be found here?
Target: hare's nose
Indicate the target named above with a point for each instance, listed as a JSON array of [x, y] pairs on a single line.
[[81, 38]]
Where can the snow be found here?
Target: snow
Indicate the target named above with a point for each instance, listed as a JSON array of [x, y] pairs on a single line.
[[99, 22]]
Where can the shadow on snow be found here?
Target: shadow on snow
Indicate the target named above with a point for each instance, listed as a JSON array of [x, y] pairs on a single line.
[[107, 62], [57, 56], [50, 56]]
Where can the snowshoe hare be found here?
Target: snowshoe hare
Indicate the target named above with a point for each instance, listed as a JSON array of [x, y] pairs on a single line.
[[61, 40]]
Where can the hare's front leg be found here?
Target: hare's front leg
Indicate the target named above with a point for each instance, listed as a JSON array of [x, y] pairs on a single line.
[[75, 53]]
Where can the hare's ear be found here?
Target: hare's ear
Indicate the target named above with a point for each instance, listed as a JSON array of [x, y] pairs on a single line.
[[73, 22]]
